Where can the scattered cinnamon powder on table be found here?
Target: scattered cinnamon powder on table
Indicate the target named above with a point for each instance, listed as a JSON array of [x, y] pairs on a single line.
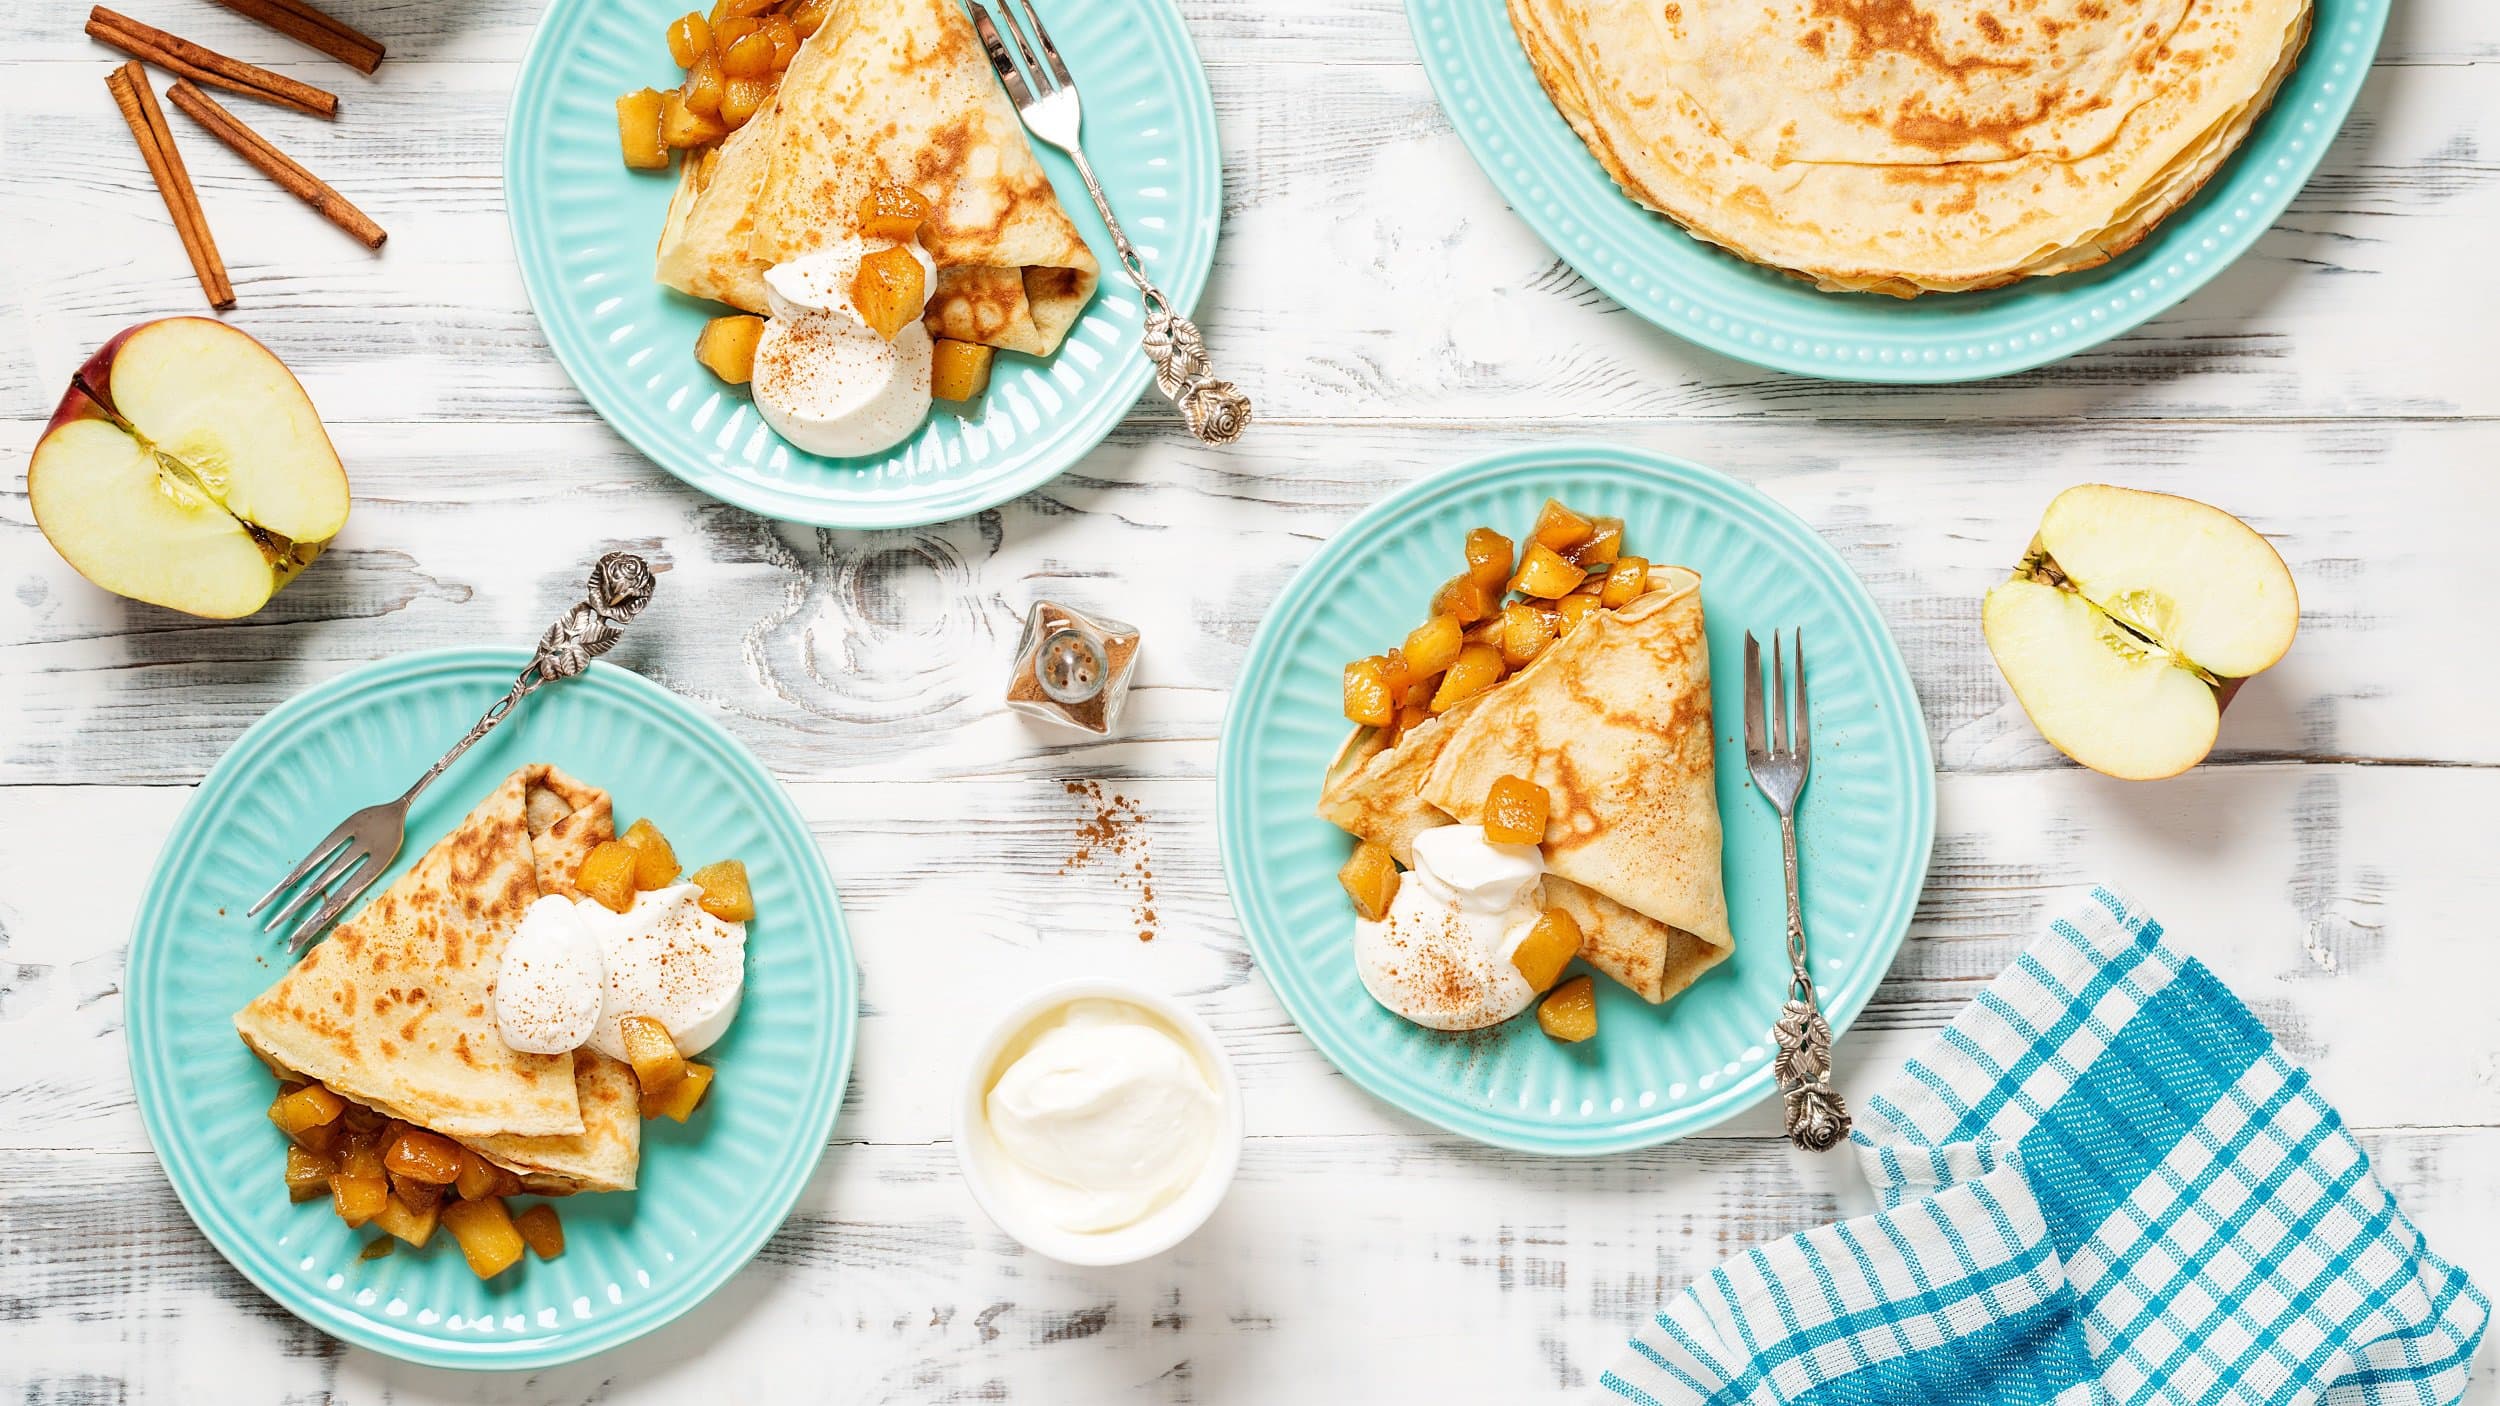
[[1114, 837]]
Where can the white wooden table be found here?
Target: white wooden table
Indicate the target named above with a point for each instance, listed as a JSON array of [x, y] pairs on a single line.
[[2337, 387]]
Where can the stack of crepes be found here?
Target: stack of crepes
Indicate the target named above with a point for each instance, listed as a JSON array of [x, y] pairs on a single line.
[[889, 93], [395, 1010], [1890, 146], [1613, 720]]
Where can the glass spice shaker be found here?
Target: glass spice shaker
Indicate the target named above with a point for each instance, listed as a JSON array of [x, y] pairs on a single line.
[[1073, 669]]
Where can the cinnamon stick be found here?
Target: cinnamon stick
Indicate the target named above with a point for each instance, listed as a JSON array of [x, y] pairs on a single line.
[[276, 164], [310, 27], [156, 146], [185, 59]]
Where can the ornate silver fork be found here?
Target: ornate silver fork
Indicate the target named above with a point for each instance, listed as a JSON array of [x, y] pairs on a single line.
[[1817, 1119], [1215, 411], [364, 844]]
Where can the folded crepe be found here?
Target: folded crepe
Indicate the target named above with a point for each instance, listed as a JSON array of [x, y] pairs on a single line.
[[889, 92], [395, 1009]]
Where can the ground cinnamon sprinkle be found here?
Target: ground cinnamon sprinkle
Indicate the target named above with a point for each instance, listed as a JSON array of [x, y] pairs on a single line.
[[1113, 836]]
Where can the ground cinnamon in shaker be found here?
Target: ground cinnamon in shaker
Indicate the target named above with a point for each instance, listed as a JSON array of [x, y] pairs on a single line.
[[1097, 655]]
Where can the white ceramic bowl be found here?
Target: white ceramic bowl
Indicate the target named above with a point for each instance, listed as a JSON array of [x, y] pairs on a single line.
[[979, 1155]]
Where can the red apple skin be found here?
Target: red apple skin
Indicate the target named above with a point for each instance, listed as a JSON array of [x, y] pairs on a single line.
[[76, 404]]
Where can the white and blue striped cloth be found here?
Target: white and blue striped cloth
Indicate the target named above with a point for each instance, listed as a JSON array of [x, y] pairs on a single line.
[[2103, 1184]]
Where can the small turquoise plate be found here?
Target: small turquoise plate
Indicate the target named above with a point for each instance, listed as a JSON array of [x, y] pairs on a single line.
[[1707, 295], [1653, 1072], [711, 1191], [585, 228]]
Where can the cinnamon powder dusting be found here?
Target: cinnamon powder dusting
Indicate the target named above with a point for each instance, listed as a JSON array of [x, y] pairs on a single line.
[[1113, 836]]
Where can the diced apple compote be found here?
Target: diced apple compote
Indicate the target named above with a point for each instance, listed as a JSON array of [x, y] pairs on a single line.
[[1414, 713], [1488, 557], [308, 1174], [1570, 1014], [416, 1195], [1465, 599], [652, 1052], [1479, 667], [750, 57], [726, 895], [422, 1156], [1526, 630], [808, 16], [541, 1230], [742, 98], [478, 1177], [1605, 543], [701, 92], [785, 37], [1552, 941], [299, 1110], [1573, 610], [1367, 700], [1516, 811], [1398, 675], [607, 875], [1370, 878], [1560, 529], [689, 38], [1487, 631], [655, 860], [726, 347], [358, 1189], [679, 1103], [486, 1234], [1433, 646], [889, 290], [892, 212], [681, 126], [407, 1223], [1625, 581], [638, 130], [1544, 574], [960, 371]]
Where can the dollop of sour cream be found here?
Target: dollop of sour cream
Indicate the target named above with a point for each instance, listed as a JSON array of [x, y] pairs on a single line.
[[824, 380], [574, 969], [1442, 956], [1104, 1115]]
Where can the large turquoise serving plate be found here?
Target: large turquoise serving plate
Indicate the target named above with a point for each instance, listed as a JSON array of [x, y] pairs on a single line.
[[712, 1191], [585, 228], [1653, 1072], [1700, 292]]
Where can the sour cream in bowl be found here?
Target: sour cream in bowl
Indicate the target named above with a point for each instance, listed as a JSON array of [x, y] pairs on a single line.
[[1099, 1123]]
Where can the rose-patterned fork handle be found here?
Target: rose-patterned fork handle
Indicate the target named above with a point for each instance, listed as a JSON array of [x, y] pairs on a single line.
[[1215, 410]]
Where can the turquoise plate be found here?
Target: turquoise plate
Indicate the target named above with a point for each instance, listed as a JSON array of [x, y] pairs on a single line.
[[1707, 295], [585, 228], [712, 1191], [1653, 1072]]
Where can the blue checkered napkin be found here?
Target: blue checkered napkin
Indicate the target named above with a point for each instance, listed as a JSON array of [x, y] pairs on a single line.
[[2103, 1184]]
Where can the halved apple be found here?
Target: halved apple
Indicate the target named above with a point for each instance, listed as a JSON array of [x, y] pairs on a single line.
[[186, 468], [2128, 625]]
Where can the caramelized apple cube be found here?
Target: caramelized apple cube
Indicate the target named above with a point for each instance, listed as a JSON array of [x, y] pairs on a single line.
[[541, 1231], [358, 1198], [785, 37], [1526, 630], [726, 347], [301, 1110], [702, 89], [652, 1052], [681, 126], [808, 16], [678, 1104], [607, 875], [1516, 811], [1625, 581], [1488, 557], [1552, 941], [416, 1195], [689, 38], [1487, 631], [1367, 700], [423, 1156], [1573, 609], [960, 371], [1465, 598], [655, 860], [477, 1177], [1370, 878], [892, 212], [1434, 645], [486, 1235], [741, 98], [1570, 1014], [1559, 529], [1479, 667], [1543, 573], [308, 1174], [404, 1222], [1400, 678], [751, 56], [725, 892], [1605, 543], [889, 290], [1414, 712], [638, 130]]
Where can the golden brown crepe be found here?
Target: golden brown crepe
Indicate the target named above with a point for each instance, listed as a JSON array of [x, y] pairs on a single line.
[[891, 92], [395, 1009], [1613, 720], [1902, 148]]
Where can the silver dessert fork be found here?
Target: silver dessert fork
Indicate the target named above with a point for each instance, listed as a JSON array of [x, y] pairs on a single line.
[[1817, 1119], [1215, 411], [364, 844]]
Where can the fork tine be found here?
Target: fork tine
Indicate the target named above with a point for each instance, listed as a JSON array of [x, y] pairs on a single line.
[[1050, 51], [348, 893], [1038, 75], [1779, 698], [1018, 91], [1805, 744], [348, 859], [1753, 698], [319, 853]]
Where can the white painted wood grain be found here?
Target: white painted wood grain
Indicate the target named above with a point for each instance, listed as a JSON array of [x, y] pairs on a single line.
[[2334, 387]]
